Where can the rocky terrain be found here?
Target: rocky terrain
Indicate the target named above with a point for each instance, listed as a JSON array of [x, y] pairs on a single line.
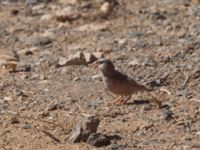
[[52, 99]]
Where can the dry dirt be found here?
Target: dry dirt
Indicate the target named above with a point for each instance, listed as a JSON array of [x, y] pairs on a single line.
[[160, 38]]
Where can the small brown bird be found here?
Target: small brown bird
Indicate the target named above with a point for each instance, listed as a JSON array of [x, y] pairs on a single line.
[[118, 83]]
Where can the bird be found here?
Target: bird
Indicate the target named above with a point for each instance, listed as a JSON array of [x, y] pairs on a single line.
[[118, 83], [9, 62]]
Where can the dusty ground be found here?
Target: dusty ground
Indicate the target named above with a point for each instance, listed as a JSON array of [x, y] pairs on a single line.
[[164, 35]]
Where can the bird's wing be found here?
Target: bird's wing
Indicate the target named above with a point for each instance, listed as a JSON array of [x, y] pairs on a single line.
[[129, 81]]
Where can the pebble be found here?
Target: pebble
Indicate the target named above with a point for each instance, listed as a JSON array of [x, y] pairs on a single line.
[[54, 107], [84, 129], [14, 120], [98, 54], [150, 142], [46, 17], [155, 83], [25, 126], [98, 140], [38, 41], [31, 2], [106, 8], [67, 14], [167, 115], [96, 77], [62, 61], [115, 147]]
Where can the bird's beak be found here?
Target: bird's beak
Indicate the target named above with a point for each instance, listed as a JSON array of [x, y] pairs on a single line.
[[95, 64]]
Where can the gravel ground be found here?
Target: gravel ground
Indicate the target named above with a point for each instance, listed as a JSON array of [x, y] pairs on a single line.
[[155, 42]]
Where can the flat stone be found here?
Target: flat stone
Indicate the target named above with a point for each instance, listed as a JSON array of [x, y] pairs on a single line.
[[98, 140], [38, 41]]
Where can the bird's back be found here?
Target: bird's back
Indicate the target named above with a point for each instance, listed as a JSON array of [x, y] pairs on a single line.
[[121, 84]]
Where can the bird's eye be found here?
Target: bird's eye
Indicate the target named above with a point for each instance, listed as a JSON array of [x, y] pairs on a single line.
[[101, 62]]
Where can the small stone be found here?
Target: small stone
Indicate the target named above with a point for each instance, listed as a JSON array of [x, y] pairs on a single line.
[[167, 115], [96, 77], [8, 98], [148, 61], [181, 93], [83, 130], [14, 12], [106, 8], [77, 59], [98, 54], [67, 14], [31, 2], [38, 41], [135, 62], [155, 83], [115, 147], [136, 34], [14, 120], [46, 17], [28, 51], [25, 126], [93, 27], [98, 140], [151, 142], [90, 123], [104, 49], [76, 79], [43, 114], [90, 58], [54, 107], [62, 61], [122, 41]]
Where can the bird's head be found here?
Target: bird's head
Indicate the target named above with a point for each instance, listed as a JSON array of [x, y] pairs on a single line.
[[105, 65]]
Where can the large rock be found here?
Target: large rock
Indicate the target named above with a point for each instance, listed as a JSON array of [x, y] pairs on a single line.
[[84, 129], [77, 59]]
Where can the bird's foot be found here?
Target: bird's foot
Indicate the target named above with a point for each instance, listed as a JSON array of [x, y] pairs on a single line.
[[122, 100], [119, 103]]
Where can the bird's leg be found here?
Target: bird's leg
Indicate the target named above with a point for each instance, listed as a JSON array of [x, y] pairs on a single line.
[[117, 100], [123, 100]]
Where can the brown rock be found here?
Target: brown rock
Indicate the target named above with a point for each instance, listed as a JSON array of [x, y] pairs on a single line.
[[90, 58], [77, 59], [84, 129], [67, 14], [106, 8], [14, 120], [98, 140]]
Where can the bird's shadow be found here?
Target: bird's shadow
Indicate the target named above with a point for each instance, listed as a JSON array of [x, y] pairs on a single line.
[[138, 102]]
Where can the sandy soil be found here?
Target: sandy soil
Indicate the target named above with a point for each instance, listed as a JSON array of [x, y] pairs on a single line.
[[161, 39]]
